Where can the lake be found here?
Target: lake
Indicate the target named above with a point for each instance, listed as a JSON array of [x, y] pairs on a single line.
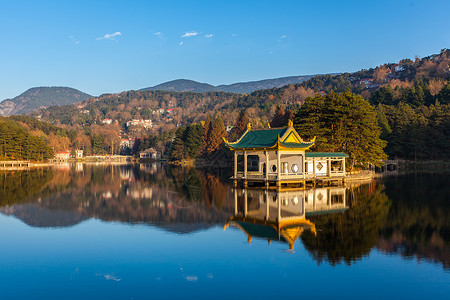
[[153, 231]]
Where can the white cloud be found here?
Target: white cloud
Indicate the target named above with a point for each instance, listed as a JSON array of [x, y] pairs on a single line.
[[191, 278], [74, 39], [208, 36], [158, 34], [110, 36], [112, 277], [189, 34], [180, 44], [234, 34], [282, 37]]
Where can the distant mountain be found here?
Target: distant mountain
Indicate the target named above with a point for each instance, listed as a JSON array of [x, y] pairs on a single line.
[[41, 97], [251, 86], [36, 216], [184, 85]]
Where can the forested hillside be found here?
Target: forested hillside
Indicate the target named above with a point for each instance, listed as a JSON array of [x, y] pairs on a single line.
[[18, 143], [411, 99], [185, 85]]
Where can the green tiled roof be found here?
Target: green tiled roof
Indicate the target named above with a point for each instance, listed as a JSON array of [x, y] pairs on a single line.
[[259, 138], [325, 154], [296, 145]]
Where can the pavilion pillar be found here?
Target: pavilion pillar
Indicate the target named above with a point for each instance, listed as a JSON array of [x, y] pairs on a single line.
[[235, 164], [245, 203], [245, 164], [266, 193], [278, 165], [279, 207], [314, 168], [343, 165], [328, 167], [344, 198], [235, 202], [267, 164]]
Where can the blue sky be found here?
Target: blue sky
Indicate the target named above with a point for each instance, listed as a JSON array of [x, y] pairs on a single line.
[[113, 46]]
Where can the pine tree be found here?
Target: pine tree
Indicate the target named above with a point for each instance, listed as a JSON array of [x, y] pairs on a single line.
[[193, 139], [342, 122]]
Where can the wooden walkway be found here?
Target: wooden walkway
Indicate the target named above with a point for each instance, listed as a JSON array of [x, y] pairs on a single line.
[[14, 165], [289, 182]]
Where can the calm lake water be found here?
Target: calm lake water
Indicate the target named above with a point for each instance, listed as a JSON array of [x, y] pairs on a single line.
[[158, 232]]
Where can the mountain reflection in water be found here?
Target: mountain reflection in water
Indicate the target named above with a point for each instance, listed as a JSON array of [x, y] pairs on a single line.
[[407, 216]]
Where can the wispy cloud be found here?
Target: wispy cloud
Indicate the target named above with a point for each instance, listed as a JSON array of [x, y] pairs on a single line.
[[158, 34], [234, 34], [112, 277], [191, 278], [74, 39], [282, 37], [180, 44], [208, 36], [110, 36], [189, 34]]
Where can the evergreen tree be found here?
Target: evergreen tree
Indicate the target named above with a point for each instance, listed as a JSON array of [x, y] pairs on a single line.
[[193, 139], [342, 122], [178, 152]]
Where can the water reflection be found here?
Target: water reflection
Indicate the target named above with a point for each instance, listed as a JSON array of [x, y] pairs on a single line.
[[282, 215], [171, 198], [407, 216]]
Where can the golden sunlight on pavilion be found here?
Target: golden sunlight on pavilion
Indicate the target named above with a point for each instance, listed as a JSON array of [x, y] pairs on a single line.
[[279, 156]]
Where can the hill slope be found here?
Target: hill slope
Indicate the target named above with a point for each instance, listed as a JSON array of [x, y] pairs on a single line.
[[251, 86], [184, 85], [41, 97]]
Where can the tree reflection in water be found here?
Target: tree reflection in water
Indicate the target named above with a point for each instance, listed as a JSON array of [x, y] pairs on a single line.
[[404, 215]]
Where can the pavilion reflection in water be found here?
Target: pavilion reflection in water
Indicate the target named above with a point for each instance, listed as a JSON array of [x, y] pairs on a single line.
[[282, 215]]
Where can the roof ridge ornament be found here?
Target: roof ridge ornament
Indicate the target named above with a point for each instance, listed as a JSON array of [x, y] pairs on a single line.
[[290, 123], [249, 126]]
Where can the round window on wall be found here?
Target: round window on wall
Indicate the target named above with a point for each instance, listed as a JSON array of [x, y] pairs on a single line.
[[294, 168], [274, 168]]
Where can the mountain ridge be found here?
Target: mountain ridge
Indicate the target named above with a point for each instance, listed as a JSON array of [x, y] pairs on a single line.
[[246, 87], [40, 97]]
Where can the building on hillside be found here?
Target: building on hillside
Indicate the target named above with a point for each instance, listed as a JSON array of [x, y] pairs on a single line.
[[279, 155], [144, 123], [79, 153], [107, 121], [62, 155], [150, 153]]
